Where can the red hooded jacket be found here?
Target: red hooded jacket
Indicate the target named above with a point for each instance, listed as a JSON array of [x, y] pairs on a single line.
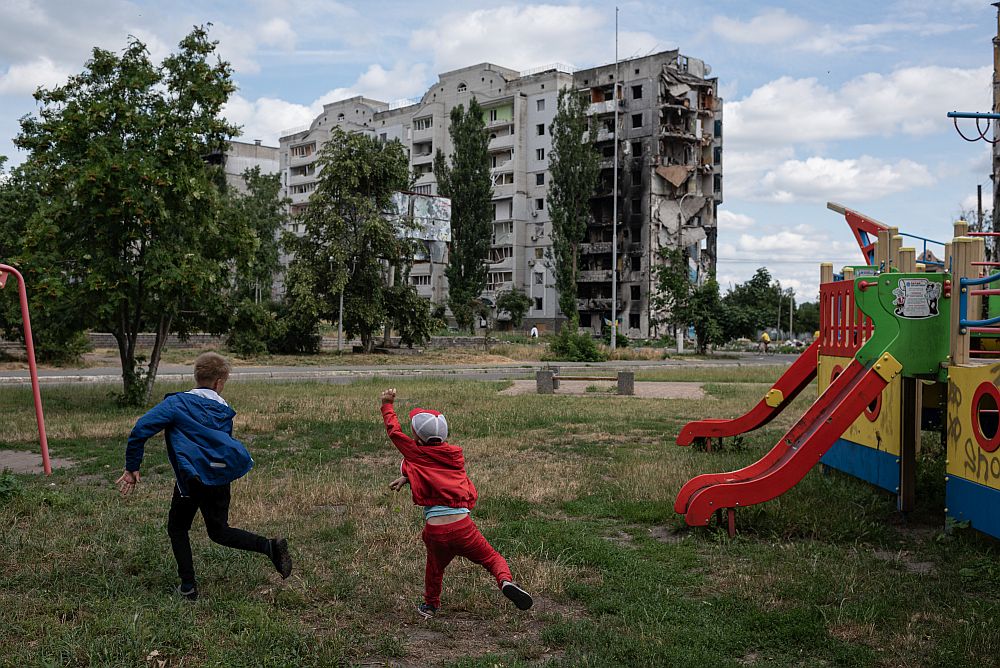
[[436, 472]]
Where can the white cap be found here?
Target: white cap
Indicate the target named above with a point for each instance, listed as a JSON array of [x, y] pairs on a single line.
[[429, 426]]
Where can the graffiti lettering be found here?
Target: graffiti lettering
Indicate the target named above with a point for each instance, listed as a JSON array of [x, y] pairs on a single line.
[[979, 464]]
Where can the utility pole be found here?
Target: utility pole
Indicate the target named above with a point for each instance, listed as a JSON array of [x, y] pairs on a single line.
[[614, 207]]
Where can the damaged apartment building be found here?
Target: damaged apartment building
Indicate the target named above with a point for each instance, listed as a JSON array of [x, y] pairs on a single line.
[[669, 137]]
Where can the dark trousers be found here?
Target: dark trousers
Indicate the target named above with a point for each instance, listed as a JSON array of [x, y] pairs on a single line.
[[213, 502]]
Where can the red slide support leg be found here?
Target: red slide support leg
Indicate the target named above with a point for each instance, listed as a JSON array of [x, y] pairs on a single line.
[[5, 271]]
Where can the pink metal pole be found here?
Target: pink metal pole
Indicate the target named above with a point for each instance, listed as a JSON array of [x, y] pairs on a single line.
[[32, 369]]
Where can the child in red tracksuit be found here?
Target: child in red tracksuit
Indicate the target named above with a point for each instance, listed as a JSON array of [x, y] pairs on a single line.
[[435, 471]]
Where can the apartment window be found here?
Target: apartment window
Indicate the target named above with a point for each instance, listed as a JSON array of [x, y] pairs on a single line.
[[424, 123], [303, 188], [636, 121], [636, 92], [717, 183], [382, 138], [717, 155], [420, 280], [539, 278], [493, 115], [500, 254], [462, 87], [496, 279], [540, 129], [718, 128], [539, 203], [539, 304], [539, 253], [540, 179], [636, 206], [634, 292], [633, 320], [539, 154], [422, 190], [636, 263], [637, 149], [540, 105], [584, 320], [500, 229], [303, 150]]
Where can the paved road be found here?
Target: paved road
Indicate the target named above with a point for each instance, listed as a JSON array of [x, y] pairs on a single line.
[[344, 374]]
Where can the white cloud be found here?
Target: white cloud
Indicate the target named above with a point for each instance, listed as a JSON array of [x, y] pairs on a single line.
[[24, 78], [820, 179], [277, 32], [772, 26], [910, 100], [730, 221], [265, 118], [533, 35]]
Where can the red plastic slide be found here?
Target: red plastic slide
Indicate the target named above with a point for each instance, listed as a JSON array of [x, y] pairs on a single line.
[[797, 451], [793, 381]]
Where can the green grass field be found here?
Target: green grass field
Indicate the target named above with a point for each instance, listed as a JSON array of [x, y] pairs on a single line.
[[576, 492]]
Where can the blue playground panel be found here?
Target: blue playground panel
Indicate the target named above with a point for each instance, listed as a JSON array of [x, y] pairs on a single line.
[[873, 466], [977, 504]]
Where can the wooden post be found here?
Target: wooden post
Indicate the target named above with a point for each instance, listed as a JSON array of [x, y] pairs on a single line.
[[895, 243], [826, 272], [961, 228], [907, 260], [910, 392], [960, 267], [848, 273], [882, 250]]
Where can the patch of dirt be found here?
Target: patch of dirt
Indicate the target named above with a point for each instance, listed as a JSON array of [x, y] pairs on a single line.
[[643, 389], [21, 461], [667, 534], [621, 538], [748, 660], [906, 559]]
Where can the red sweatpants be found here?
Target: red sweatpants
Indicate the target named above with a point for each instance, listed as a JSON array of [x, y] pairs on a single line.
[[459, 539]]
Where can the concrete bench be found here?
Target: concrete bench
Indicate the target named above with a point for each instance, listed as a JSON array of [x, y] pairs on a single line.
[[547, 381]]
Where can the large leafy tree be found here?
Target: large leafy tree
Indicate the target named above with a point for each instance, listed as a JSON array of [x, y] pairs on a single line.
[[682, 303], [349, 243], [515, 304], [465, 178], [574, 166], [752, 305], [130, 203], [264, 211]]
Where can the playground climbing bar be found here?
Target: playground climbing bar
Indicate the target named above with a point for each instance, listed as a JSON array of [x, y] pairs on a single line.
[[5, 272]]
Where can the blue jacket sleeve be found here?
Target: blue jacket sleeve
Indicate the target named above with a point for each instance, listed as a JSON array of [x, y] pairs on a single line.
[[153, 422]]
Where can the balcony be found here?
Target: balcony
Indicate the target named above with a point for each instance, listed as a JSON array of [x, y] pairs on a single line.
[[501, 142], [602, 247], [672, 132], [606, 107], [604, 134], [594, 276], [499, 123], [427, 134], [594, 304], [421, 158], [503, 191]]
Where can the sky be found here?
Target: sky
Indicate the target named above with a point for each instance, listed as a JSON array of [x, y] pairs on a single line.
[[824, 101]]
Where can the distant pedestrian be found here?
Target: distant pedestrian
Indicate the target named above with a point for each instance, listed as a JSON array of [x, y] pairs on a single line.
[[765, 341], [534, 332], [206, 459]]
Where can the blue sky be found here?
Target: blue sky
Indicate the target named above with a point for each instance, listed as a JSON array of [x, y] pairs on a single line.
[[840, 101]]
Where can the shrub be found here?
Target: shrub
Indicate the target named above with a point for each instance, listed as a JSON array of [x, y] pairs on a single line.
[[572, 346], [253, 328], [299, 331], [621, 340]]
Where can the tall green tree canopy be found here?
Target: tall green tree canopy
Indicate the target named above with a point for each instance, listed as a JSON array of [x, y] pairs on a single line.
[[130, 208], [465, 178], [349, 243], [574, 165], [263, 209], [752, 305]]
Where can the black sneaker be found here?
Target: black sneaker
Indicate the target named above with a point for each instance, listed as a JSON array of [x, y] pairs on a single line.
[[426, 610], [280, 558], [520, 598], [188, 592]]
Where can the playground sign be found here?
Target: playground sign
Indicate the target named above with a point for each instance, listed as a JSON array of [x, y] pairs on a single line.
[[917, 298]]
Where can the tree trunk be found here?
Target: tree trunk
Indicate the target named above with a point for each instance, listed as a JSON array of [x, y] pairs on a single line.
[[162, 331]]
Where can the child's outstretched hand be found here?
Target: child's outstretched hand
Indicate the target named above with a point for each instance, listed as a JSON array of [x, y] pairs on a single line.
[[399, 483], [389, 396], [127, 482]]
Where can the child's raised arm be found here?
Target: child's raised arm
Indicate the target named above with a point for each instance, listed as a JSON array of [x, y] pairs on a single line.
[[406, 445]]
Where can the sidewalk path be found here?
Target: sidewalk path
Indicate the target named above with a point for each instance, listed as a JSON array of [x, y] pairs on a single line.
[[344, 374]]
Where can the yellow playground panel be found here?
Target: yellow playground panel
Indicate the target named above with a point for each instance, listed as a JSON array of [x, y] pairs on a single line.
[[879, 427]]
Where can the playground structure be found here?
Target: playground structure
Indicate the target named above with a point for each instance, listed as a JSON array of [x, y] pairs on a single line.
[[903, 344], [6, 272]]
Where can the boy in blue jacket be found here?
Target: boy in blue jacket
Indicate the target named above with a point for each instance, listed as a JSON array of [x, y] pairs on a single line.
[[206, 459]]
